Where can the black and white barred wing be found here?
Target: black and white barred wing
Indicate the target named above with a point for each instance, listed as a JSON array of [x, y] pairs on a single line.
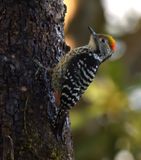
[[79, 74]]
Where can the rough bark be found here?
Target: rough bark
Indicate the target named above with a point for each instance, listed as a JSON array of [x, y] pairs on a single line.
[[31, 41]]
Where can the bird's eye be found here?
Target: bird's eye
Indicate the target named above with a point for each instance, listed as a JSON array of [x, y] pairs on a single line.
[[103, 40]]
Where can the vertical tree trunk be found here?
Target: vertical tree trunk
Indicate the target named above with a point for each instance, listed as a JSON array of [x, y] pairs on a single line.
[[31, 40]]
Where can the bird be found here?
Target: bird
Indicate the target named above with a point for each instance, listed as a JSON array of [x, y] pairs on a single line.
[[74, 73]]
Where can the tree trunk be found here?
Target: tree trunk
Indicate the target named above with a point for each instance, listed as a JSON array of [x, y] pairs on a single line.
[[31, 42]]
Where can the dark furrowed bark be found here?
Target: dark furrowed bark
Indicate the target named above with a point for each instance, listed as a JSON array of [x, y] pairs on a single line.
[[31, 42]]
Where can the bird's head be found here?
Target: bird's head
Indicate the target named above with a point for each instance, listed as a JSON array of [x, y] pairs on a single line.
[[103, 44]]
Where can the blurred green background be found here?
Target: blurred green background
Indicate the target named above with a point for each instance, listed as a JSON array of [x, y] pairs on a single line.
[[106, 124]]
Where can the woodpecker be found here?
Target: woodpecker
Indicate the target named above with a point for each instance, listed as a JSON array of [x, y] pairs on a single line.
[[74, 73]]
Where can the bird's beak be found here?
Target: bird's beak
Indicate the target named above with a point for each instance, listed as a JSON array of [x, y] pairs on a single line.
[[91, 30], [95, 36]]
